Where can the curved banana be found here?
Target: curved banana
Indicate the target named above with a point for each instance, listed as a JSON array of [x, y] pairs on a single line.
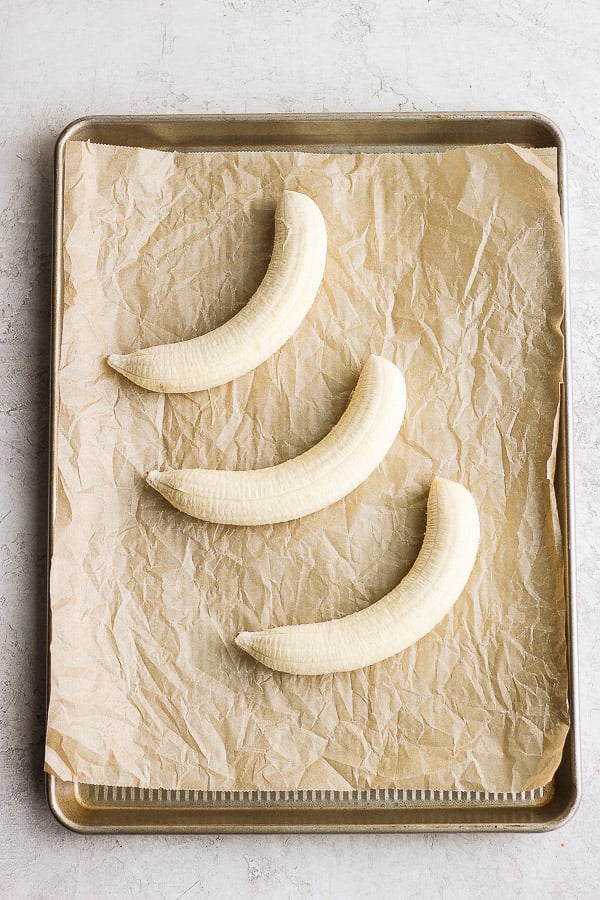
[[311, 481], [407, 613], [269, 318]]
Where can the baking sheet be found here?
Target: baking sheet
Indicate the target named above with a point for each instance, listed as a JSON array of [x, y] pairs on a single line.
[[376, 296]]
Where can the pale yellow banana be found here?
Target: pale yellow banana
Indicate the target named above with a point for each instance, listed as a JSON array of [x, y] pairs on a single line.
[[403, 616], [266, 322], [309, 482]]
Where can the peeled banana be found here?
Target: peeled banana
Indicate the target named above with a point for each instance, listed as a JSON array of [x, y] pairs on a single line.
[[403, 616], [266, 322], [311, 481]]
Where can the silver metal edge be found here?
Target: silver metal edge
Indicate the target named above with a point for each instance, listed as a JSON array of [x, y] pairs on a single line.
[[569, 536], [57, 230]]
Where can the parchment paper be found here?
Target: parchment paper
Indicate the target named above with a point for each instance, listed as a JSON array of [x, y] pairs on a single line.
[[447, 263]]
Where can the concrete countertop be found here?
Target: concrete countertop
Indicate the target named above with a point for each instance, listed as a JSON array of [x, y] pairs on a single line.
[[59, 61]]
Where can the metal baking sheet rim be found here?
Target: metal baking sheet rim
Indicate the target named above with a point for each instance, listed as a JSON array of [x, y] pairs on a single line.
[[95, 809]]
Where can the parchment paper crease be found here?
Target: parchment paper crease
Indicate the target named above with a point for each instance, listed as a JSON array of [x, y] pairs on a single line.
[[448, 263]]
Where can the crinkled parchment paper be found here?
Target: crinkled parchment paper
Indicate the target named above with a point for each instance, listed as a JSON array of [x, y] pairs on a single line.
[[450, 264]]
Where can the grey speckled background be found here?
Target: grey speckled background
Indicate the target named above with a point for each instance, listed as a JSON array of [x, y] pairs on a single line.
[[61, 61]]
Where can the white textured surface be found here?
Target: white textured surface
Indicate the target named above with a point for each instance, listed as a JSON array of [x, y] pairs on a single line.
[[62, 60]]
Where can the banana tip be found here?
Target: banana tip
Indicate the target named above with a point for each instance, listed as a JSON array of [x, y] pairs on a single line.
[[152, 477], [243, 639], [292, 201], [115, 361]]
